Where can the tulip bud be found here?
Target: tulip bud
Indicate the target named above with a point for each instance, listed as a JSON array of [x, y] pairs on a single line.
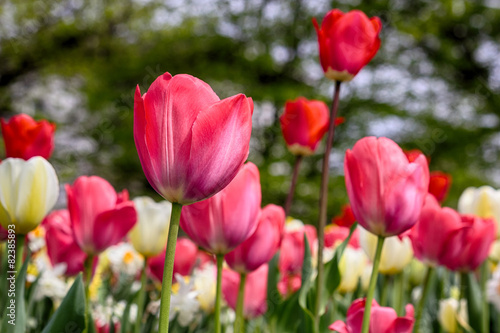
[[149, 235], [352, 265], [28, 191], [449, 315], [186, 253]]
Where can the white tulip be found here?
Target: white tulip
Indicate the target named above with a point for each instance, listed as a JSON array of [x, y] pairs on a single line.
[[150, 233], [352, 265], [451, 312], [396, 253], [28, 191], [483, 201]]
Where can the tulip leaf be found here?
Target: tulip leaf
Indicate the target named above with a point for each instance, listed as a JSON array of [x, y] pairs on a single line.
[[306, 285], [70, 316], [473, 294], [14, 317], [332, 272]]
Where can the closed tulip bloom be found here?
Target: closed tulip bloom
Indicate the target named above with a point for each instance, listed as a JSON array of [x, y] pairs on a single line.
[[255, 299], [292, 248], [347, 42], [346, 219], [397, 251], [439, 185], [186, 254], [191, 144], [483, 202], [28, 191], [382, 320], [386, 191], [99, 216], [149, 235], [25, 138], [303, 125], [61, 244], [351, 266], [262, 245], [224, 221], [452, 315], [334, 235]]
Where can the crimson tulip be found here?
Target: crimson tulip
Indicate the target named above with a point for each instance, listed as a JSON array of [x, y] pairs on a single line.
[[99, 216], [222, 222], [190, 143], [347, 42], [255, 299], [186, 254], [259, 248], [303, 125], [386, 191], [61, 244], [346, 219], [25, 137], [439, 185], [383, 319]]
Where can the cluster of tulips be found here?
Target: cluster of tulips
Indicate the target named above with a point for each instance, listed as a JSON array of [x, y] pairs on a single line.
[[110, 264]]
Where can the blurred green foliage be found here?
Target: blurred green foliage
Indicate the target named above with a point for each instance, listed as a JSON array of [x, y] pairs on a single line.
[[433, 85]]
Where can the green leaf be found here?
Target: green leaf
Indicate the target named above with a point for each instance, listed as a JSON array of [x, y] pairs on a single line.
[[332, 272], [306, 278], [473, 294], [70, 316], [14, 319], [273, 295]]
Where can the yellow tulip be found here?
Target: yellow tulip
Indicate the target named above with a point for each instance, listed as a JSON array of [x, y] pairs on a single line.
[[396, 253], [150, 233], [28, 191]]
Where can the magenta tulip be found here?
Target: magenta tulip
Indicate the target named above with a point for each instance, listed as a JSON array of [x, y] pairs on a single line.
[[255, 299], [383, 319], [191, 144], [4, 234], [386, 191], [186, 254], [292, 249], [262, 245], [99, 216], [224, 221]]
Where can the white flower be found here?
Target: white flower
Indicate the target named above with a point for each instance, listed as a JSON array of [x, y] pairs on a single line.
[[493, 289], [123, 258], [205, 285], [51, 282], [352, 266], [36, 239], [184, 304]]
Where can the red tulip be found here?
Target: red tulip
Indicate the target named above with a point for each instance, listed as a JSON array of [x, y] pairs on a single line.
[[190, 143], [24, 137], [262, 245], [347, 42], [303, 124], [186, 253], [99, 216], [104, 327], [382, 319], [439, 185], [288, 284], [255, 297], [292, 249], [224, 221], [386, 191], [335, 234], [347, 218], [61, 244]]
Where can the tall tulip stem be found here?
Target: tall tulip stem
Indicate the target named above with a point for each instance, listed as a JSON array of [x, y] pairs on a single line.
[[293, 184], [371, 286], [87, 271], [141, 298], [485, 313], [425, 292], [166, 287], [398, 293], [323, 202], [218, 295], [239, 323], [19, 252]]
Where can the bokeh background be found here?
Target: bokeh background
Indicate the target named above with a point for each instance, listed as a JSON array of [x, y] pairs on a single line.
[[434, 85]]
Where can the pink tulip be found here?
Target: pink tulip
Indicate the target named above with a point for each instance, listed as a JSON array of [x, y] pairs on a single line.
[[386, 191], [99, 216], [104, 327], [334, 235], [382, 319], [288, 284], [191, 144], [61, 244], [262, 245], [255, 299], [292, 249], [186, 254], [224, 221]]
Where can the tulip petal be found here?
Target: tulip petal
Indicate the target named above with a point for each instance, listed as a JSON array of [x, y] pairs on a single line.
[[10, 169], [338, 326], [113, 225]]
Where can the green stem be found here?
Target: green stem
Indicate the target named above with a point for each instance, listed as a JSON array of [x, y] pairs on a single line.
[[19, 252], [425, 292], [87, 275], [166, 287], [463, 295], [323, 203], [141, 298], [371, 286], [293, 184], [239, 323], [485, 315], [383, 292], [398, 294], [218, 295]]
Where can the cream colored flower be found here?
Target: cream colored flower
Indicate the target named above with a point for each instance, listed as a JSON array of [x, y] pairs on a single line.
[[352, 265], [150, 233], [396, 253], [483, 201], [451, 312], [205, 286], [28, 191]]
